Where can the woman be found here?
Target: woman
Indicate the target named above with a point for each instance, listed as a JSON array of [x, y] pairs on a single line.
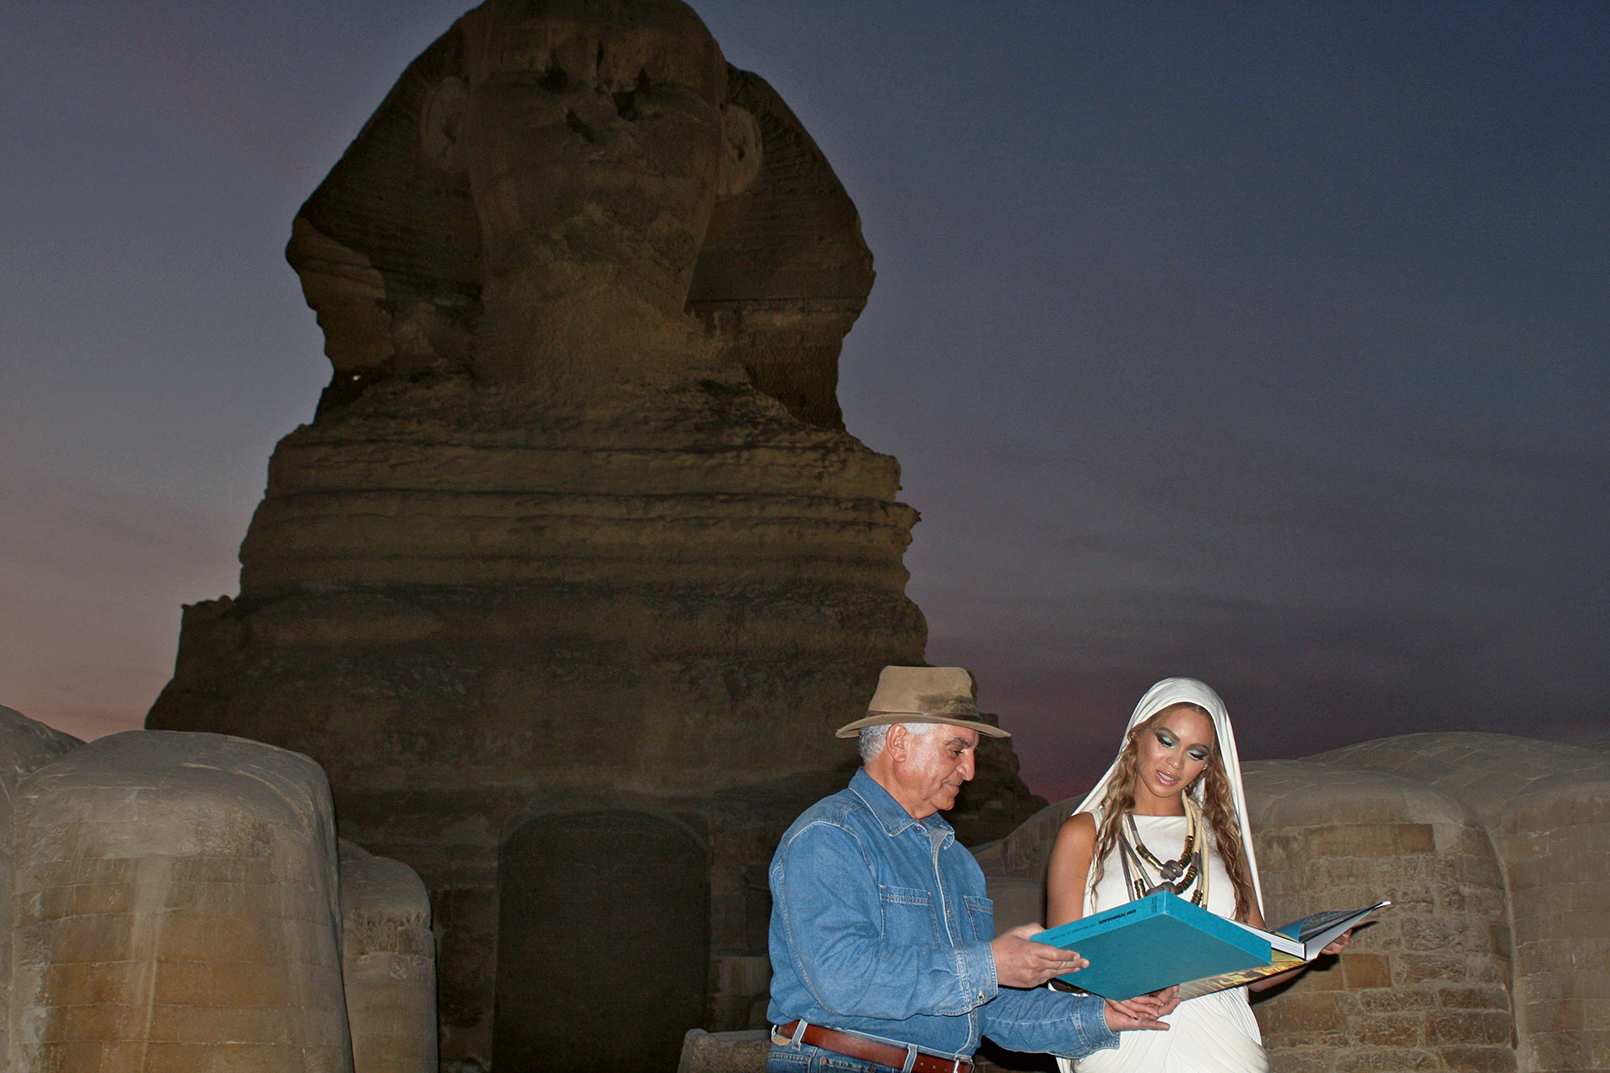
[[1169, 810]]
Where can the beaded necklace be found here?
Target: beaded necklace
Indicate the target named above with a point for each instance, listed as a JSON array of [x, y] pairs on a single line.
[[1145, 874]]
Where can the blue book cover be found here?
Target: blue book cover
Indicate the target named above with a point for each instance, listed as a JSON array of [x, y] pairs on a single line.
[[1155, 942]]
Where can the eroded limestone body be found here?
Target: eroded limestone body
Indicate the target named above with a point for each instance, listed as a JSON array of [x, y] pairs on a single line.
[[577, 524]]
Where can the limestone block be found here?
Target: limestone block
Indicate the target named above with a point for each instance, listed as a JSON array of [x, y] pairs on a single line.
[[725, 1052], [176, 909], [1546, 807], [1017, 901], [1025, 852], [1426, 983], [388, 963], [25, 746]]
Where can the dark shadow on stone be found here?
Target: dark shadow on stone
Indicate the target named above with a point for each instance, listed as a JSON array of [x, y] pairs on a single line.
[[603, 941]]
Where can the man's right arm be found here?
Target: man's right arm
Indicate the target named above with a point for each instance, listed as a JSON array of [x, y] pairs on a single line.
[[833, 920]]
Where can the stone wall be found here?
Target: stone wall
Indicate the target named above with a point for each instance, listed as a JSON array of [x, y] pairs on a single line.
[[1556, 845], [175, 910], [1547, 809], [1424, 986], [25, 746]]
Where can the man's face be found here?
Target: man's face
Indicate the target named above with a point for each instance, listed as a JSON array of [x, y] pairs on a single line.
[[930, 768]]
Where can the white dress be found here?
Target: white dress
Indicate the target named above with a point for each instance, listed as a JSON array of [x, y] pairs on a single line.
[[1212, 1034]]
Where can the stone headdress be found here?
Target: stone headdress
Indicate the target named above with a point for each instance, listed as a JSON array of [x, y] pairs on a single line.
[[1171, 691]]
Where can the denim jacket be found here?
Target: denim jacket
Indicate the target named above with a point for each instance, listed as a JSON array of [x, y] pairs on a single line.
[[880, 926]]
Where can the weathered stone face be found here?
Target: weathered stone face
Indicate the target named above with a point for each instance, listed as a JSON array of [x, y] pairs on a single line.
[[569, 107], [562, 196]]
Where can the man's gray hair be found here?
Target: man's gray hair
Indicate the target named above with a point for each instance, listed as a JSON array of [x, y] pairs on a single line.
[[873, 738]]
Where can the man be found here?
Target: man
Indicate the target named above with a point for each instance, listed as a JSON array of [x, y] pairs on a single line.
[[883, 946]]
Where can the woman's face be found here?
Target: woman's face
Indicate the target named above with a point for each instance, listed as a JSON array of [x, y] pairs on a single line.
[[1173, 750]]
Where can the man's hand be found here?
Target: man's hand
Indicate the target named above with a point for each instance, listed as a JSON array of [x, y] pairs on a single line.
[[1022, 963], [1142, 1011]]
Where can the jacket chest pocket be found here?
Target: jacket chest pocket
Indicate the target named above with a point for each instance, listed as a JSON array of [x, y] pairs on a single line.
[[908, 914], [980, 916]]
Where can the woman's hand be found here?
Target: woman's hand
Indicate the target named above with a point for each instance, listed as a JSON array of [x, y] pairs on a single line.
[[1341, 943], [1142, 1011]]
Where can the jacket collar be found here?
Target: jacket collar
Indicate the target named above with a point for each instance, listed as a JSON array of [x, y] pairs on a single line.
[[891, 815]]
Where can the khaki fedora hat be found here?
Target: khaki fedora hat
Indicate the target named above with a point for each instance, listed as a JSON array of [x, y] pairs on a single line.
[[925, 695]]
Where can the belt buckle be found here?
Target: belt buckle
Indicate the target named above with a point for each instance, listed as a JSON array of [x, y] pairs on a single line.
[[782, 1039]]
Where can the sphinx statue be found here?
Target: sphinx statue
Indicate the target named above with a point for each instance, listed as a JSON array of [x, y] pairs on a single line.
[[576, 543]]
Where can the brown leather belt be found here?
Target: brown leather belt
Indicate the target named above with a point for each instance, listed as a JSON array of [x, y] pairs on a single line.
[[885, 1054]]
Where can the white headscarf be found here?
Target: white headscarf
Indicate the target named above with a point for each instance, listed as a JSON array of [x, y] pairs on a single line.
[[1171, 691]]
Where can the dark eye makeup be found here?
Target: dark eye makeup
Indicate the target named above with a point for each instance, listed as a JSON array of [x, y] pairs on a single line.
[[1168, 741]]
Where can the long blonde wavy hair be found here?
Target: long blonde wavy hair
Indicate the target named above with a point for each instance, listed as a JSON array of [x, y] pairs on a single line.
[[1218, 809]]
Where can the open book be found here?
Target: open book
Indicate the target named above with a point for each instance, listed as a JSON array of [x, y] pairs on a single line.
[[1162, 940]]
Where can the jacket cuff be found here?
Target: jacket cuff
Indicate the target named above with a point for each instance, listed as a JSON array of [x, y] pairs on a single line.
[[1091, 1023], [975, 968]]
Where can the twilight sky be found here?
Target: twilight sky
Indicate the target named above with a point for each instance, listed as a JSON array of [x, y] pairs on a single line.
[[1268, 344]]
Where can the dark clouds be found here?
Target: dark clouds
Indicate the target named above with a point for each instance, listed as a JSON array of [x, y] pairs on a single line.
[[1264, 343]]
